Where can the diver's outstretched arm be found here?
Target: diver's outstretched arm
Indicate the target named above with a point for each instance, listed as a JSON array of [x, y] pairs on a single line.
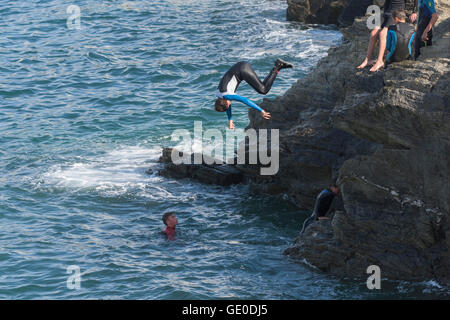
[[244, 100], [248, 102]]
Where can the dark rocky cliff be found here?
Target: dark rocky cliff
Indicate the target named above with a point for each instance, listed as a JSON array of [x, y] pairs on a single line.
[[385, 138], [315, 11], [340, 12]]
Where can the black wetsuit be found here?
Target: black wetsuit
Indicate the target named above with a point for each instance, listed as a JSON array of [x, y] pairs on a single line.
[[389, 7], [321, 207], [243, 71], [426, 10]]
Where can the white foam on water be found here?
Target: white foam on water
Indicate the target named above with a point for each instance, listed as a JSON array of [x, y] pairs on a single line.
[[208, 147], [313, 50], [270, 21], [116, 171], [434, 284], [281, 38]]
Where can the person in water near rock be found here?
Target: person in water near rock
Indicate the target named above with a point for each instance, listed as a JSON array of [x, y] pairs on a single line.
[[427, 19], [233, 77], [381, 32], [171, 222], [322, 206], [400, 39]]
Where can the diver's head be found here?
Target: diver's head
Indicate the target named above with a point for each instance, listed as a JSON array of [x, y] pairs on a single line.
[[222, 105], [399, 16]]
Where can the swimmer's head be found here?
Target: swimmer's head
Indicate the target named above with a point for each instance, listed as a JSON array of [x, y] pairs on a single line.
[[335, 188], [222, 105], [169, 219]]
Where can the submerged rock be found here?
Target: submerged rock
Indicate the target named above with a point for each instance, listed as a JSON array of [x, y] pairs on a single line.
[[384, 138], [209, 171]]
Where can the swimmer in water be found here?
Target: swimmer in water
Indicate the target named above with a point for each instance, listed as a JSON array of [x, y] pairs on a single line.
[[171, 222], [233, 77]]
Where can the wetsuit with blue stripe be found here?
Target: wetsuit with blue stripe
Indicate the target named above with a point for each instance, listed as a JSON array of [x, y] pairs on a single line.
[[243, 71], [399, 42], [321, 207], [426, 10]]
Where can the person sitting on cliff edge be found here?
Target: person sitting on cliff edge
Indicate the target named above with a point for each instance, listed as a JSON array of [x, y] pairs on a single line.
[[381, 32], [322, 206], [400, 38]]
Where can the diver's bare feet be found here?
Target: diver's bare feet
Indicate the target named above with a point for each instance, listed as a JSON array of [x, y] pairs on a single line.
[[363, 64], [377, 66]]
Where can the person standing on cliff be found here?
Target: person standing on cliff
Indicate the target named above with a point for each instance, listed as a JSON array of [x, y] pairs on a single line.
[[427, 19], [171, 222], [233, 77], [322, 206], [381, 32]]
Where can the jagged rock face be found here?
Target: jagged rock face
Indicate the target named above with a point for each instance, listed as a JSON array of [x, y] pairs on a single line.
[[315, 11], [354, 8], [340, 12], [385, 137]]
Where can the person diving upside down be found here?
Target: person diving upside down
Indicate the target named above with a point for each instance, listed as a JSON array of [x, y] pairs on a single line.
[[243, 71]]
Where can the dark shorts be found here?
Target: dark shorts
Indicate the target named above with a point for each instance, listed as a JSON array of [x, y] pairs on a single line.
[[387, 20], [420, 29], [418, 43]]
